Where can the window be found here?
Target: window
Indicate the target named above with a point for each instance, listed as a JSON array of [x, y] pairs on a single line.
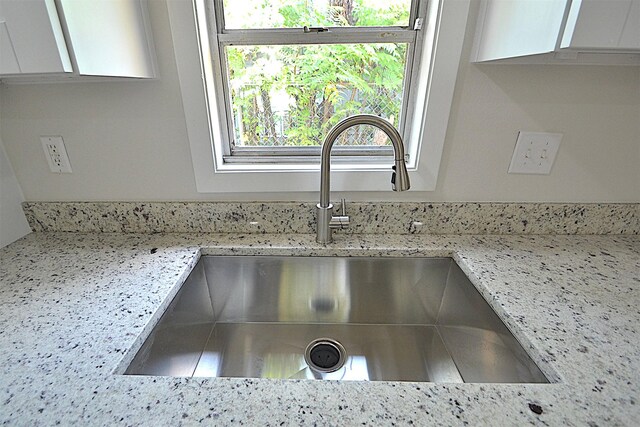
[[277, 75], [291, 69]]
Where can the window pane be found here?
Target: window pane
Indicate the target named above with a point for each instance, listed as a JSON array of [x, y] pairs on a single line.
[[293, 95], [252, 14]]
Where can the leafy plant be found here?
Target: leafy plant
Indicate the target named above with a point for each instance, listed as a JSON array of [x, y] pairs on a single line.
[[292, 95]]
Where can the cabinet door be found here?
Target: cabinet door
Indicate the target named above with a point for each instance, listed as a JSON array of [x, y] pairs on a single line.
[[631, 34], [8, 58], [603, 24], [510, 28], [109, 37], [31, 38]]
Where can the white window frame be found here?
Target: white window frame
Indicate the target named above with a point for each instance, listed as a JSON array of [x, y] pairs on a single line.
[[443, 31], [220, 38]]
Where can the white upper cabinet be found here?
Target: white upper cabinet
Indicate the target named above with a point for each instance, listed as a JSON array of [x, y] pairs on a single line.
[[598, 24], [31, 38], [558, 31], [109, 37], [62, 38]]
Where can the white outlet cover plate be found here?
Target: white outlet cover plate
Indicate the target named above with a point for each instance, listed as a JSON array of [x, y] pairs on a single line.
[[56, 154], [535, 152]]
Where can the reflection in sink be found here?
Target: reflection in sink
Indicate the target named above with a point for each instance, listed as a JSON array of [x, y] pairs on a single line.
[[398, 319]]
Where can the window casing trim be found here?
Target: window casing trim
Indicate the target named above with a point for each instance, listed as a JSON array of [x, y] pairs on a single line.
[[220, 38], [446, 24]]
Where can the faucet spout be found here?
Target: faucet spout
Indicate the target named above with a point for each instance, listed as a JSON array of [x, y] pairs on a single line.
[[399, 178]]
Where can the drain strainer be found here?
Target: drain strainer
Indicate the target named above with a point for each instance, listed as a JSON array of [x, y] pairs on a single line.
[[325, 355]]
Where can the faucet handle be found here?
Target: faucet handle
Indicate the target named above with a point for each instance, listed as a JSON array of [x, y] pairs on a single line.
[[341, 221], [343, 207]]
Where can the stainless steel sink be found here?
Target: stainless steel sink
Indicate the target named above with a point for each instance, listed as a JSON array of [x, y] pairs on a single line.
[[391, 319]]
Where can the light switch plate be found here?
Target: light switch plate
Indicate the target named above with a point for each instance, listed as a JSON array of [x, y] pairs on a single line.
[[535, 152], [56, 154]]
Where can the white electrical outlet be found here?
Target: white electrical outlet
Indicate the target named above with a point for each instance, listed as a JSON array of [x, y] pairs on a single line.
[[535, 152], [56, 154]]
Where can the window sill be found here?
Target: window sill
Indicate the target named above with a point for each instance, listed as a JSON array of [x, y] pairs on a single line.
[[299, 180]]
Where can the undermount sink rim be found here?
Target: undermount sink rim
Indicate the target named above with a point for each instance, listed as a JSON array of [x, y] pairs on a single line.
[[488, 295]]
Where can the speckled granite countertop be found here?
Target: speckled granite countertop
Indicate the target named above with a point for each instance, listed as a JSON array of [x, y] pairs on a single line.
[[71, 305]]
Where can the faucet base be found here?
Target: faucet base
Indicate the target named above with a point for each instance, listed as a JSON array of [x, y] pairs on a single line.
[[323, 216]]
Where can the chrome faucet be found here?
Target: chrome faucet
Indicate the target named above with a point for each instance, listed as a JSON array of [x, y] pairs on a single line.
[[399, 178]]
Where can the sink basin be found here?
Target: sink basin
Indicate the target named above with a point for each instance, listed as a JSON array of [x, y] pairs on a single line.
[[333, 318]]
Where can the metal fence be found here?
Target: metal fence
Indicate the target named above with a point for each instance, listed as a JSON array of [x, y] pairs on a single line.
[[267, 119]]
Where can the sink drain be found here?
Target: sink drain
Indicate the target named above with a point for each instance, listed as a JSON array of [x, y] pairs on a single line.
[[325, 355]]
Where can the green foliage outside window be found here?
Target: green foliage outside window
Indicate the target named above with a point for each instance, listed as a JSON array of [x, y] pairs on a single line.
[[292, 95]]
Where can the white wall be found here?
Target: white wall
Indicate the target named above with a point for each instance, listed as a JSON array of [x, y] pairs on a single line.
[[13, 224], [127, 141]]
